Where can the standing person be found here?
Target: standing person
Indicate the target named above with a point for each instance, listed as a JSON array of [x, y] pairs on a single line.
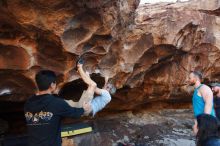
[[97, 102], [202, 97], [216, 91], [44, 111], [208, 134]]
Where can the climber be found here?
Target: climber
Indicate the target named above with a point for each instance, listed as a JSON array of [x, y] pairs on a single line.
[[216, 91], [100, 101], [202, 97], [43, 112]]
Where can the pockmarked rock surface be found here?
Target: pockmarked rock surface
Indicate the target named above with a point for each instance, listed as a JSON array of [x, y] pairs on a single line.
[[146, 50]]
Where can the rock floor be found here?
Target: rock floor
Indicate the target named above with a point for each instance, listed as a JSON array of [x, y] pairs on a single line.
[[166, 127]]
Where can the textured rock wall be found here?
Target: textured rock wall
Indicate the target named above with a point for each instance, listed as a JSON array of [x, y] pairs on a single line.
[[147, 51]]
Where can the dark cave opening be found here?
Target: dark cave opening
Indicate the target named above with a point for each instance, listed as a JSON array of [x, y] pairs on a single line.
[[73, 90], [12, 121]]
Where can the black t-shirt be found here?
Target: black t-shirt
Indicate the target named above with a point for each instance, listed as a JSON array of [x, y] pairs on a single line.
[[43, 115]]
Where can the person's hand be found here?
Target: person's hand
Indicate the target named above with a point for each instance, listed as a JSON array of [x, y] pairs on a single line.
[[79, 64], [106, 79], [87, 107], [79, 67], [195, 129]]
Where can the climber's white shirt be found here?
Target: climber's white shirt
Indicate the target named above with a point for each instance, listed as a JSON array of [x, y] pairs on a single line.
[[99, 102]]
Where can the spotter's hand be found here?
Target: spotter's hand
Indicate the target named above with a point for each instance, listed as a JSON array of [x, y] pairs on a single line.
[[87, 107]]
